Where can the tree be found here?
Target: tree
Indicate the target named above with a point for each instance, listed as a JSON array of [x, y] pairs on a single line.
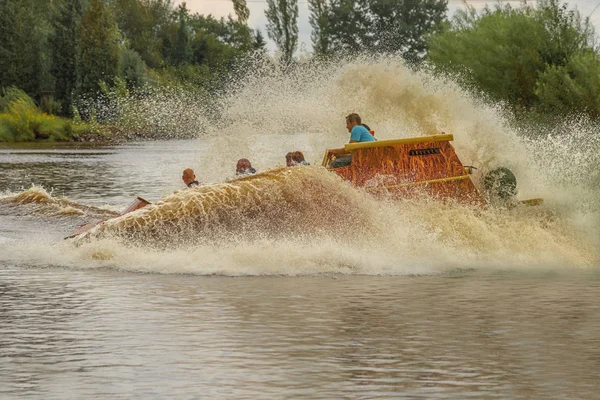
[[401, 26], [348, 26], [514, 48], [241, 10], [565, 32], [183, 50], [99, 48], [380, 26], [141, 23], [282, 26], [217, 43], [259, 41], [132, 68], [65, 48], [319, 20], [24, 31], [571, 88], [9, 11]]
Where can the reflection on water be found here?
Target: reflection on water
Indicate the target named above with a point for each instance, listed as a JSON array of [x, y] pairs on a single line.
[[100, 173], [91, 332], [74, 334]]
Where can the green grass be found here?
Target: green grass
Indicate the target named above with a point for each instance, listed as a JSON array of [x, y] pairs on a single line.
[[22, 121]]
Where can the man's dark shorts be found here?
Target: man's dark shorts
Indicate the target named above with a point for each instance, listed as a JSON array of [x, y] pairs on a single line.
[[341, 162]]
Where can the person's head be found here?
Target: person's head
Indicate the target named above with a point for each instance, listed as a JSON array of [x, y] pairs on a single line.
[[294, 158], [188, 176], [352, 120], [242, 165]]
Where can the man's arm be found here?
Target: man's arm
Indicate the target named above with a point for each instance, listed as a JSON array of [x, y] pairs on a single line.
[[337, 151]]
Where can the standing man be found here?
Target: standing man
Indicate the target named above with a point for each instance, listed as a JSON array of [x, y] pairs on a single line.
[[189, 178]]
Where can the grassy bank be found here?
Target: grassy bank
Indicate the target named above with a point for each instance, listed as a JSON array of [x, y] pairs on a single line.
[[21, 120]]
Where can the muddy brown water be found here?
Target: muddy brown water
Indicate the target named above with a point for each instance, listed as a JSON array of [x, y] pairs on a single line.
[[288, 319]]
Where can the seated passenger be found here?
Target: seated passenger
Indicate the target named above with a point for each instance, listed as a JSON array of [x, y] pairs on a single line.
[[244, 167], [294, 158], [189, 178], [358, 134]]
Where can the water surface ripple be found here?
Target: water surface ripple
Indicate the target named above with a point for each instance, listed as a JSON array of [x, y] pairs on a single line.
[[100, 333]]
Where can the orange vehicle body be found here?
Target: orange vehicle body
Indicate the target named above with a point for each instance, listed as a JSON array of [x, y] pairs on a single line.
[[405, 167]]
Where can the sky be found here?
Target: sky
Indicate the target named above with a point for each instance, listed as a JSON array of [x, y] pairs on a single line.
[[222, 8]]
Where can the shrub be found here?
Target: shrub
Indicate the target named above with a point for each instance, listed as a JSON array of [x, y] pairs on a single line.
[[572, 88], [49, 105], [132, 68], [533, 58], [12, 94], [21, 121], [7, 131]]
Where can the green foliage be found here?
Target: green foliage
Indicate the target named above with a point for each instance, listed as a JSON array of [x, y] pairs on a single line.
[[530, 58], [11, 95], [132, 68], [99, 48], [282, 26], [400, 27], [49, 105], [65, 42], [21, 121], [258, 43], [61, 51], [565, 32], [193, 78], [380, 26], [348, 31], [218, 43], [144, 24], [506, 64], [319, 20], [183, 50], [24, 55], [7, 133], [241, 11], [571, 88]]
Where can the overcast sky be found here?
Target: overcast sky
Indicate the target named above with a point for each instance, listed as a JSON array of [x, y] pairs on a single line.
[[221, 8]]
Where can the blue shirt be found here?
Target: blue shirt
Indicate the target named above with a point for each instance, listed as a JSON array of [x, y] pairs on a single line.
[[360, 134]]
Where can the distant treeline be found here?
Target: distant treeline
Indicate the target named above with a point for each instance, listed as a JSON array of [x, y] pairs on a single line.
[[538, 60], [60, 50]]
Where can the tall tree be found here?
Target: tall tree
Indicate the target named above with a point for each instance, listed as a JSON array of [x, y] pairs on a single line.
[[348, 27], [384, 26], [65, 49], [571, 88], [24, 30], [319, 20], [401, 26], [9, 10], [282, 26], [99, 60], [528, 57], [183, 50], [259, 41], [143, 24], [241, 10]]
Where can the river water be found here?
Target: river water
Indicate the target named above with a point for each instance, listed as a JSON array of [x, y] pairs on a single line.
[[450, 306]]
